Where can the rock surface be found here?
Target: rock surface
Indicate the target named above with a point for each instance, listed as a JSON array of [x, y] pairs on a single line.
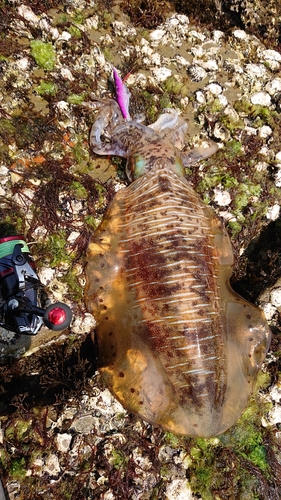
[[259, 17]]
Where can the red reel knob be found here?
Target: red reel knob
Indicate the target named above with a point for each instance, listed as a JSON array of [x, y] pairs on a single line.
[[57, 316]]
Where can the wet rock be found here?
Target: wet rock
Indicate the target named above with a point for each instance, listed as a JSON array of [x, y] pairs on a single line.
[[259, 18]]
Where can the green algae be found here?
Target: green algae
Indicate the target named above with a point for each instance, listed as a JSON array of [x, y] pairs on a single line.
[[80, 151], [101, 191], [7, 129], [233, 149], [79, 191], [4, 459], [26, 131], [118, 459], [203, 474], [75, 289], [78, 17], [47, 88], [55, 249], [76, 99], [217, 176], [14, 220], [75, 32], [150, 107], [22, 429], [231, 124], [61, 19], [59, 253], [175, 86], [244, 193], [260, 115], [225, 462], [242, 106], [106, 19], [249, 441], [164, 102], [44, 54], [109, 56], [235, 227], [18, 468], [220, 464], [172, 440], [92, 222], [214, 106], [247, 436], [233, 169]]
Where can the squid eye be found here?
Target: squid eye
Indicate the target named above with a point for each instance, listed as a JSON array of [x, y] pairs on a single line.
[[136, 166]]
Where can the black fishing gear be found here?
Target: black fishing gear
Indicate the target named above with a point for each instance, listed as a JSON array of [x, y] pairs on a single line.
[[20, 290]]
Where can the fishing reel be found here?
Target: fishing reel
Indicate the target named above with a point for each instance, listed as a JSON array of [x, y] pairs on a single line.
[[20, 290]]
